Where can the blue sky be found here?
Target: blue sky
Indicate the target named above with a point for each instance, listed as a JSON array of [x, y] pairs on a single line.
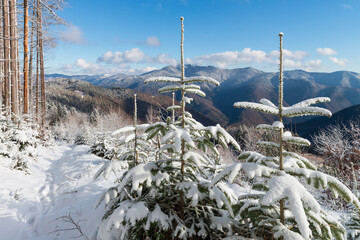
[[134, 36]]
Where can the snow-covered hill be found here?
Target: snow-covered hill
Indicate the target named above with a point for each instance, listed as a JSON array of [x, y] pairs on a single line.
[[343, 87]]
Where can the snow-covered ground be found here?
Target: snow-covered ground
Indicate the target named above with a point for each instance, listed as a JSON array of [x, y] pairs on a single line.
[[60, 188], [60, 184]]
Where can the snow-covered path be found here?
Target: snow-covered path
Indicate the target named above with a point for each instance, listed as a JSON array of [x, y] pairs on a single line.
[[61, 183]]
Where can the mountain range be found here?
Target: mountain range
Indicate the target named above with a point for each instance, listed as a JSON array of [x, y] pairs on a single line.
[[243, 84]]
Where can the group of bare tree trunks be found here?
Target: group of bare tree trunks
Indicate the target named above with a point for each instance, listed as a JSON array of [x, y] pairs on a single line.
[[34, 14]]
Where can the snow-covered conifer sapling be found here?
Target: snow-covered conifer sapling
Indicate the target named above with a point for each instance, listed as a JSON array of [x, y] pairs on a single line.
[[172, 197], [282, 206]]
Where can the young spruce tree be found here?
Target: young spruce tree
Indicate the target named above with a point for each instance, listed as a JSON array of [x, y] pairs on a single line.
[[282, 207], [171, 197]]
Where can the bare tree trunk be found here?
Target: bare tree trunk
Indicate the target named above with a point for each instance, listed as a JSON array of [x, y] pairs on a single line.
[[13, 67], [37, 64], [42, 73], [18, 85], [26, 60], [1, 62], [136, 155], [6, 56], [31, 63], [282, 201]]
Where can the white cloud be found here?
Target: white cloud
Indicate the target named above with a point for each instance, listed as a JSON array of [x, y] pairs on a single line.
[[312, 65], [134, 55], [223, 59], [152, 41], [87, 66], [164, 59], [326, 51], [248, 55], [298, 55], [340, 62], [141, 70], [289, 63], [73, 35]]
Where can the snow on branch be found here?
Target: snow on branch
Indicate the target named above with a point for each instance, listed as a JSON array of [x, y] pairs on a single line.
[[140, 174], [221, 134], [288, 138], [174, 88], [268, 144], [257, 106], [175, 107], [305, 111], [196, 91], [202, 79], [231, 172], [282, 187], [287, 234], [267, 102], [163, 79], [169, 88], [311, 101], [130, 128], [276, 126], [307, 163], [319, 179], [157, 216], [176, 135], [112, 166], [251, 170]]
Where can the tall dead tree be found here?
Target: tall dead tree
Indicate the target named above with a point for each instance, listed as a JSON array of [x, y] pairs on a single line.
[[41, 62], [6, 53], [1, 61], [13, 60], [31, 57], [26, 59]]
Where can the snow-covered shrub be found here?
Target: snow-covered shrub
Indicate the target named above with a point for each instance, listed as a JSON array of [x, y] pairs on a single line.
[[18, 142], [281, 206], [172, 197], [104, 146], [81, 128]]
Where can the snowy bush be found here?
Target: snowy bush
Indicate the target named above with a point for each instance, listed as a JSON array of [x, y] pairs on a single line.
[[81, 128], [18, 141], [172, 196], [281, 206], [104, 146]]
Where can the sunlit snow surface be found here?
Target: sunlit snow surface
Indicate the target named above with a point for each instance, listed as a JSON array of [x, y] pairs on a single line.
[[61, 183]]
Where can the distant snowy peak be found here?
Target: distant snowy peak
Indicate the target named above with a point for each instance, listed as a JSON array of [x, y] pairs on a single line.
[[234, 76]]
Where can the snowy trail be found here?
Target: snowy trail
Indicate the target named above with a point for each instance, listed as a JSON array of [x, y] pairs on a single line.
[[61, 183]]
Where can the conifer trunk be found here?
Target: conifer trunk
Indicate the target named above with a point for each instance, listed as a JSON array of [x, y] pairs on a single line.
[[1, 62], [37, 77], [13, 59], [31, 57], [282, 202], [26, 59], [42, 73], [182, 203], [135, 140], [173, 108], [182, 95], [6, 52]]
